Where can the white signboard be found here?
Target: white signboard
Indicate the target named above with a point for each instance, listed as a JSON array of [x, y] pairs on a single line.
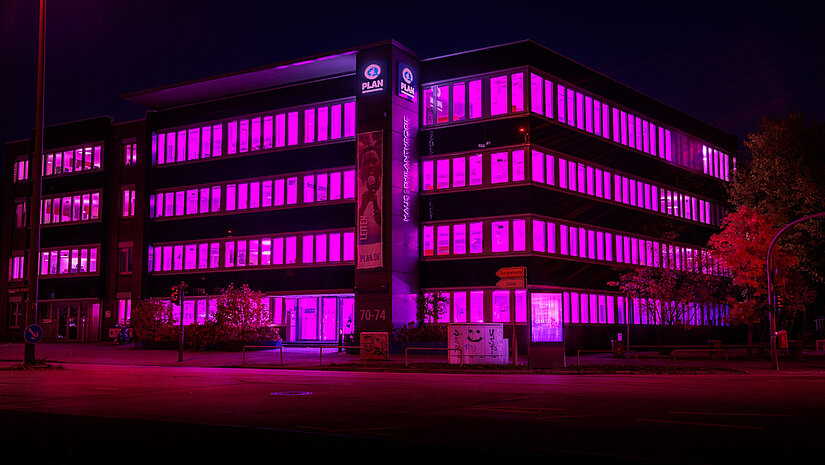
[[480, 343]]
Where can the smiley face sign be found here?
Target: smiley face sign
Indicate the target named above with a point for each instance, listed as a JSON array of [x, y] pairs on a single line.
[[477, 343]]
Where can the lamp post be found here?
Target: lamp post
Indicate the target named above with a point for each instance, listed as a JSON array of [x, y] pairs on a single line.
[[771, 296], [35, 165]]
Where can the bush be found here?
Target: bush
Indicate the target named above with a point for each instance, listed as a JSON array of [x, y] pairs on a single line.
[[433, 332], [241, 316], [152, 321]]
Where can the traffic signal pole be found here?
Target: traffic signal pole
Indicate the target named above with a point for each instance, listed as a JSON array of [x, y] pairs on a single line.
[[180, 305]]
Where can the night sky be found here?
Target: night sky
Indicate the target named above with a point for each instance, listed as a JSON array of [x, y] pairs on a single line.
[[723, 64]]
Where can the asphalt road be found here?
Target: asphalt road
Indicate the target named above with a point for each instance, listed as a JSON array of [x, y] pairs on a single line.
[[97, 413]]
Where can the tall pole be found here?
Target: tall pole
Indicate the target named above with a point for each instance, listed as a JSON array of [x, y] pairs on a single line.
[[35, 171], [771, 295], [180, 305]]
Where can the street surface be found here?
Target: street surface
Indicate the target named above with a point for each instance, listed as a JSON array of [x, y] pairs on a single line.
[[87, 413]]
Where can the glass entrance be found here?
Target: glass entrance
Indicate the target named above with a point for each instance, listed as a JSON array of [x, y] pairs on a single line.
[[70, 321], [308, 318]]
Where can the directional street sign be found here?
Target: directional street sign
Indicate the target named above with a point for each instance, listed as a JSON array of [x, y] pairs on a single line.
[[512, 283], [33, 334], [512, 272]]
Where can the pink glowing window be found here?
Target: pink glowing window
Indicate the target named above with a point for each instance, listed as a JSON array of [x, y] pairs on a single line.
[[170, 147], [335, 247], [321, 193], [179, 203], [266, 252], [278, 189], [459, 102], [518, 165], [309, 188], [429, 105], [442, 173], [500, 236], [309, 125], [292, 128], [190, 256], [519, 236], [194, 144], [597, 117], [232, 137], [638, 128], [335, 122], [243, 196], [216, 199], [459, 172], [539, 236], [571, 106], [581, 175], [591, 244], [459, 307], [307, 248], [631, 129], [177, 260], [280, 130], [255, 135], [427, 175], [572, 177], [563, 173], [203, 256], [459, 238], [562, 99], [477, 306], [291, 249], [475, 99], [323, 124], [229, 254], [217, 140], [498, 95], [320, 248], [564, 239], [241, 247], [349, 184], [550, 165], [580, 110], [498, 167], [191, 201], [442, 104], [536, 94], [349, 246], [476, 238], [668, 146], [254, 194], [537, 166], [645, 136], [278, 251], [428, 238], [267, 132], [517, 92], [335, 185], [230, 197], [204, 200], [501, 306], [349, 119], [476, 169], [292, 191], [442, 240]]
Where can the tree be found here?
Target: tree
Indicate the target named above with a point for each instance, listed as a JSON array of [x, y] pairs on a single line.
[[742, 247], [152, 320], [784, 180], [241, 316], [667, 294], [430, 306]]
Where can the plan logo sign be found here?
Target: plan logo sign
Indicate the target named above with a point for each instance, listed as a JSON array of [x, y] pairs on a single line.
[[406, 82], [374, 82]]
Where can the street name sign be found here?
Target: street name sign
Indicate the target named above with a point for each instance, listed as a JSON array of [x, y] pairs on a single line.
[[512, 272], [512, 283]]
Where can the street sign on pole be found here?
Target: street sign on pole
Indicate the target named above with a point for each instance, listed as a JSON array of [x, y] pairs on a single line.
[[512, 283], [512, 272], [33, 334]]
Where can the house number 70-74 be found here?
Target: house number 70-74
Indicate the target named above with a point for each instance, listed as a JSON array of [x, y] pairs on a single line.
[[376, 314]]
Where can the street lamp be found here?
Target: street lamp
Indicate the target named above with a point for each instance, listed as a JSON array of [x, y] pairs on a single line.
[[771, 296]]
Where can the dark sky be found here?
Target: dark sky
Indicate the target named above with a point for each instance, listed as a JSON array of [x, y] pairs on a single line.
[[724, 64]]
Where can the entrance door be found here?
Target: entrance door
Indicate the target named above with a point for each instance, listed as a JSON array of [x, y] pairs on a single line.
[[308, 318], [70, 327]]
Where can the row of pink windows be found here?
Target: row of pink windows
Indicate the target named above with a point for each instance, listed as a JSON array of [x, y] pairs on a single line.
[[502, 306], [308, 317], [129, 153], [327, 186], [17, 267], [74, 261], [127, 203], [450, 102], [553, 237], [318, 123], [78, 159], [459, 171], [283, 250], [75, 208]]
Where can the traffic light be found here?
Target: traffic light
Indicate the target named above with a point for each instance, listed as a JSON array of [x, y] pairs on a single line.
[[780, 304], [175, 295]]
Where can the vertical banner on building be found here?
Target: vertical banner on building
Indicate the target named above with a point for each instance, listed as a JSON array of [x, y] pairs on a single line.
[[370, 199]]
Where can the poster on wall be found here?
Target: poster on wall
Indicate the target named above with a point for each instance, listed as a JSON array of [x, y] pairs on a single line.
[[370, 199]]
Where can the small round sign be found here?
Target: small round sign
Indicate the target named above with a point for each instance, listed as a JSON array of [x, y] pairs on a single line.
[[33, 334]]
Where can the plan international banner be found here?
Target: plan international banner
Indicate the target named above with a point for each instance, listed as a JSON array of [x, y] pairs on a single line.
[[370, 199]]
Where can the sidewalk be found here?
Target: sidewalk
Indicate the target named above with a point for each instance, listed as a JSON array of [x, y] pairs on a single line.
[[107, 353]]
